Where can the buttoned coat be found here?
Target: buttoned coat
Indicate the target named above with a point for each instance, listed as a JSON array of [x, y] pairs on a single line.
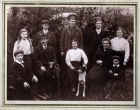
[[20, 75], [94, 41], [42, 56], [67, 37]]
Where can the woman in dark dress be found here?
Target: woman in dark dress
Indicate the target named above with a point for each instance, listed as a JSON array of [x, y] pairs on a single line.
[[96, 75]]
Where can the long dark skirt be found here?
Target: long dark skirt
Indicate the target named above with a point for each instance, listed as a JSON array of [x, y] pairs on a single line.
[[96, 78], [96, 72]]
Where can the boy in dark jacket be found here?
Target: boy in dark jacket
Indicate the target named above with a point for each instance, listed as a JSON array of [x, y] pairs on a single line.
[[23, 80], [116, 77]]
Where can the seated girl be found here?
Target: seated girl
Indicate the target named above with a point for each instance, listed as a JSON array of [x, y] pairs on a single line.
[[75, 59]]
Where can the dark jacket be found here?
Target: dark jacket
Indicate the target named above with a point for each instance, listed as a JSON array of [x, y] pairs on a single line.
[[119, 70], [105, 56], [93, 42], [67, 36], [43, 57], [51, 38], [20, 75]]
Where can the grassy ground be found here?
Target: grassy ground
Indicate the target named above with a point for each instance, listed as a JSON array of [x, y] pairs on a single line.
[[98, 91]]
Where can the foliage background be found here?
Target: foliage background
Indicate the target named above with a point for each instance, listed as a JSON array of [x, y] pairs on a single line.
[[30, 17]]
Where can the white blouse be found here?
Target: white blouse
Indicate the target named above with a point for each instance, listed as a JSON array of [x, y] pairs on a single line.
[[23, 45], [121, 44], [76, 55]]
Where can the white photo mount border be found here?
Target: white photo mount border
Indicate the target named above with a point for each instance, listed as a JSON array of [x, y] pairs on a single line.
[[85, 104]]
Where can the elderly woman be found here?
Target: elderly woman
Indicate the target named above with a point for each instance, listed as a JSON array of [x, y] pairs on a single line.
[[103, 61]]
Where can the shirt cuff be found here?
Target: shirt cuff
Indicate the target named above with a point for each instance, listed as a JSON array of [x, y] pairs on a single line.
[[125, 60], [69, 64]]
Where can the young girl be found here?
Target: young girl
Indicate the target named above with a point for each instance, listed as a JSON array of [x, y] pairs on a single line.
[[120, 47], [74, 61], [24, 43]]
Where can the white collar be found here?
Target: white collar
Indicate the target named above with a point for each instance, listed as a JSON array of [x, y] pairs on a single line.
[[119, 37], [19, 62], [24, 39], [44, 46], [98, 31], [75, 49], [106, 49], [116, 65], [45, 31]]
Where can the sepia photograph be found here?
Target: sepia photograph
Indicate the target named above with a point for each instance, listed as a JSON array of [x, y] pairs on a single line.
[[75, 53]]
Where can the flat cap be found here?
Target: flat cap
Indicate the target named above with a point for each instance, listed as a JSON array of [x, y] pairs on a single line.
[[41, 36], [98, 19], [72, 16], [116, 57], [45, 21]]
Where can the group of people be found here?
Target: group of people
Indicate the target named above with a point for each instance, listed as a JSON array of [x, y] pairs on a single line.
[[35, 71]]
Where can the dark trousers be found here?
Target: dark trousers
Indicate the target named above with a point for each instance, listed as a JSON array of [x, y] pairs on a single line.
[[21, 93], [73, 78], [47, 81], [114, 85], [28, 62], [63, 75]]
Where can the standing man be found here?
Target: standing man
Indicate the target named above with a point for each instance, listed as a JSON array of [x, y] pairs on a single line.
[[95, 41], [47, 33], [72, 32]]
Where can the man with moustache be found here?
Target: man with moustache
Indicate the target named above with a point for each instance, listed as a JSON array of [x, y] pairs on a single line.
[[45, 59]]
